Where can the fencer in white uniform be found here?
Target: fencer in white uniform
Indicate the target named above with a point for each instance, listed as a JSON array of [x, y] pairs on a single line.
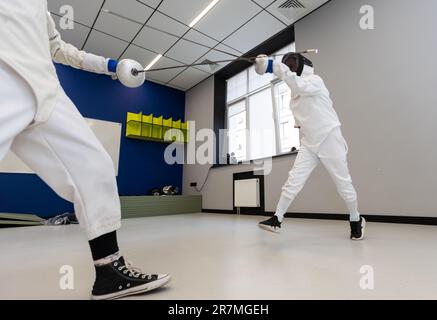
[[42, 126], [322, 140]]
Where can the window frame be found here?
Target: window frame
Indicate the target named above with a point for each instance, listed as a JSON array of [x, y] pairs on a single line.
[[276, 83], [246, 97], [230, 104], [274, 44]]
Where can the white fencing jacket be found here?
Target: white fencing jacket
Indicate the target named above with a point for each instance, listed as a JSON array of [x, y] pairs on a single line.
[[310, 103], [29, 42]]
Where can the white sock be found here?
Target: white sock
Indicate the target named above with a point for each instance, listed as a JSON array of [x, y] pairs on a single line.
[[107, 260], [283, 205], [353, 211]]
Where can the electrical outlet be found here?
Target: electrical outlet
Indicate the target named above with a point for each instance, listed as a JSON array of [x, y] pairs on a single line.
[[193, 184]]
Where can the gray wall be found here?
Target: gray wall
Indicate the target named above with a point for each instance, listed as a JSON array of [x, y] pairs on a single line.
[[199, 106], [385, 94]]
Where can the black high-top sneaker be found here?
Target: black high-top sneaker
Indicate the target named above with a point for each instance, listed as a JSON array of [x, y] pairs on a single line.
[[119, 279], [358, 229], [272, 225]]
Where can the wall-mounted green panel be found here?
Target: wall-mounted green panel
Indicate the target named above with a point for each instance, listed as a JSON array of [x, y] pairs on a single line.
[[149, 206]]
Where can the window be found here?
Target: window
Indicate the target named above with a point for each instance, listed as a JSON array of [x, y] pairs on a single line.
[[262, 135], [259, 119], [237, 130], [288, 134], [237, 86]]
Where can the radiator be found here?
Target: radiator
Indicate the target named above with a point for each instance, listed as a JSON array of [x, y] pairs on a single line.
[[246, 193]]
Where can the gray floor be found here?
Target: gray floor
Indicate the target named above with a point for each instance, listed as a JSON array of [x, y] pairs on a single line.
[[228, 257]]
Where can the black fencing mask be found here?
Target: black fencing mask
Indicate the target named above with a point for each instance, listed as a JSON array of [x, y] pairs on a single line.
[[296, 62]]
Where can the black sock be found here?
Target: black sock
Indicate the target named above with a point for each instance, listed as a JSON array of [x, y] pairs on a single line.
[[104, 246]]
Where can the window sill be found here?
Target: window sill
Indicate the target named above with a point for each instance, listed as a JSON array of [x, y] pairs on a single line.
[[216, 166]]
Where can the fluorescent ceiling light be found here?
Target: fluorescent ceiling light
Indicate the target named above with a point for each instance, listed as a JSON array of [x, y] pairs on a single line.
[[151, 64], [203, 13]]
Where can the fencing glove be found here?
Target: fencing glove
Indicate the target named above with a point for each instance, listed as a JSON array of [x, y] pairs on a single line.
[[263, 64]]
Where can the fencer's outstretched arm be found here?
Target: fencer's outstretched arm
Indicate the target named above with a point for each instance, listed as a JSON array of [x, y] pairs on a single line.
[[68, 54], [302, 86], [308, 86]]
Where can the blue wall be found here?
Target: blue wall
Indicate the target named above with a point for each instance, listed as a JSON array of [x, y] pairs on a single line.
[[142, 165]]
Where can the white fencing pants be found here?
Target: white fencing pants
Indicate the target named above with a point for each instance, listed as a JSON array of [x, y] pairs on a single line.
[[333, 155], [64, 152]]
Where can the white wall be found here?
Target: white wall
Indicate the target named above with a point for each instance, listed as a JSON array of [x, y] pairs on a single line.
[[384, 92]]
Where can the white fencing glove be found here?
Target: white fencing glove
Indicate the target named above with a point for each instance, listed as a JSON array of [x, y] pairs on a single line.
[[263, 64], [124, 71], [280, 70]]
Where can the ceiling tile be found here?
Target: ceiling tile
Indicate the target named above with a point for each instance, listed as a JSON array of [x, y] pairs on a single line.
[[226, 48], [228, 53], [165, 75], [184, 11], [214, 56], [75, 36], [166, 84], [264, 3], [189, 78], [249, 36], [104, 45], [167, 24], [85, 11], [196, 36], [155, 81], [294, 13], [139, 54], [154, 40], [186, 52], [117, 26], [226, 17], [145, 57], [152, 3], [131, 9]]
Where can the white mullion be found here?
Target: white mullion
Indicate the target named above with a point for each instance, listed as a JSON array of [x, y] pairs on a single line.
[[247, 117], [247, 128]]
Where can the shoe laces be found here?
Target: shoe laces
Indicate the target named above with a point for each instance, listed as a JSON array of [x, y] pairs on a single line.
[[133, 271]]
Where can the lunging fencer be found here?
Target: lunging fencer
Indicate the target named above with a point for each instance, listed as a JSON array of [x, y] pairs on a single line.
[[42, 126], [322, 140]]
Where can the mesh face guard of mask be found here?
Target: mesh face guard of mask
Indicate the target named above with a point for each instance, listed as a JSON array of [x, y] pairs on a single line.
[[296, 62]]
